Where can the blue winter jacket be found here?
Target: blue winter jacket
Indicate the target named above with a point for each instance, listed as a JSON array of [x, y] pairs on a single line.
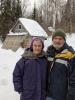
[[29, 76], [61, 72]]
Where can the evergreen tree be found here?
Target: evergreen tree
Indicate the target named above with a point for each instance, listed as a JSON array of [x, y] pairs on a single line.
[[5, 17], [11, 11], [34, 14], [18, 12], [13, 17]]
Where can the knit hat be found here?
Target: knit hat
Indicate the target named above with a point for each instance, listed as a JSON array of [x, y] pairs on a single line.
[[59, 32], [34, 39]]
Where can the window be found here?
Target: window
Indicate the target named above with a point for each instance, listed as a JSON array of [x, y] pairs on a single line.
[[20, 27]]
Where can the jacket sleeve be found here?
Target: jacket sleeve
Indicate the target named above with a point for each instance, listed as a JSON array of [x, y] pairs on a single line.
[[18, 76], [72, 78]]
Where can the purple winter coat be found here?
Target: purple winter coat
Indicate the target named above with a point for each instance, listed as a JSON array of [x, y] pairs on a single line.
[[29, 76]]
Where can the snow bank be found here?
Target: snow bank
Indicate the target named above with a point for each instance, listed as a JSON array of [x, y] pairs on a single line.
[[8, 60]]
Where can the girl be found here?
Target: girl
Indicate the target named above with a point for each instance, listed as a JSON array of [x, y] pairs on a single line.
[[29, 75]]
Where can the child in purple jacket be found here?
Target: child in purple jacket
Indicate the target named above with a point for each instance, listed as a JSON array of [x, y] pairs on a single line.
[[29, 75]]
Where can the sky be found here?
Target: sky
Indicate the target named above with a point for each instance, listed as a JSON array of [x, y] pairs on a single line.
[[8, 60]]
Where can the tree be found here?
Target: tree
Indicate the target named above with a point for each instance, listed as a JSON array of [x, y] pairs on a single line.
[[25, 5], [5, 17], [34, 14], [18, 12], [68, 19], [11, 11]]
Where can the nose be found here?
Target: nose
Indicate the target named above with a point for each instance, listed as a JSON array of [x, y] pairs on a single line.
[[57, 40]]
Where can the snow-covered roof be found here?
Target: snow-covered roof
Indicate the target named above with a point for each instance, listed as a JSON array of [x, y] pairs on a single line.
[[33, 27]]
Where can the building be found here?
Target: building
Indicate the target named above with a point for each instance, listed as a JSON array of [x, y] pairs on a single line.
[[22, 32]]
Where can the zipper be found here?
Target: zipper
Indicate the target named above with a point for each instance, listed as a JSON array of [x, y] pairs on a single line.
[[52, 64]]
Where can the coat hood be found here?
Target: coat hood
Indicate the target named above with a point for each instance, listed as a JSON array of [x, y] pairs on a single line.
[[28, 54]]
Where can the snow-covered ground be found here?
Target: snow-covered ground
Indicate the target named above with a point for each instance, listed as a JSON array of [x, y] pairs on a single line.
[[8, 60]]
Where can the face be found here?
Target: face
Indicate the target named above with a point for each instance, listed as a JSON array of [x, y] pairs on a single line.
[[58, 42], [37, 47]]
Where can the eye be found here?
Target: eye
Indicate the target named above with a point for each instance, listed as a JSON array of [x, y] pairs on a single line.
[[37, 46]]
